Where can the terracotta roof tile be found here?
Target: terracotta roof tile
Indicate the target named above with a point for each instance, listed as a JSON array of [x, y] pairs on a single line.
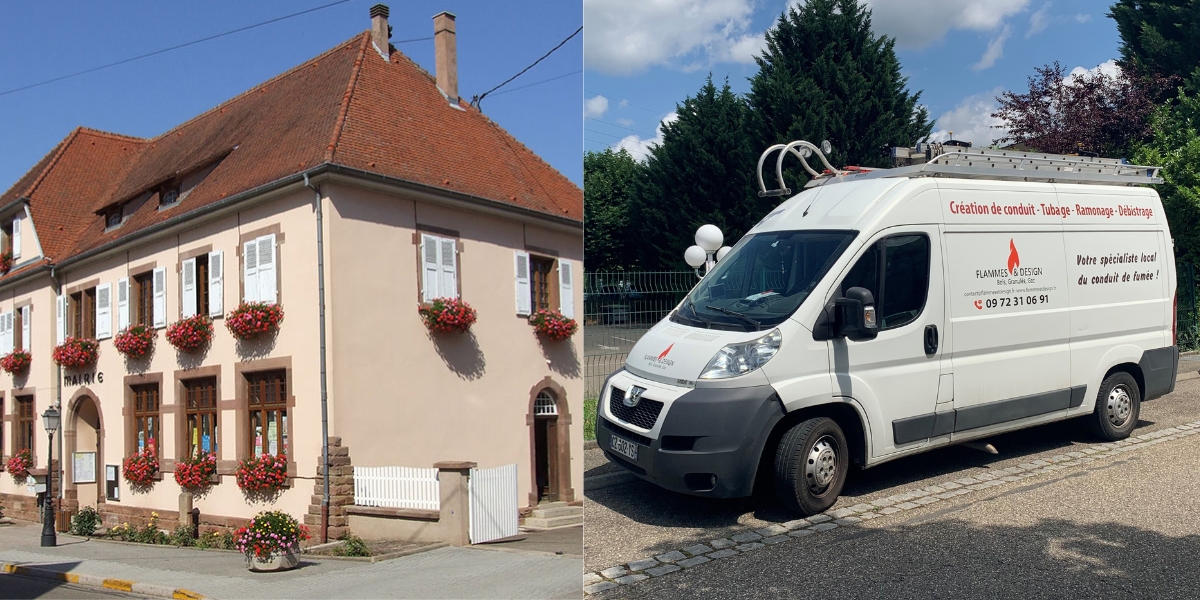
[[347, 106]]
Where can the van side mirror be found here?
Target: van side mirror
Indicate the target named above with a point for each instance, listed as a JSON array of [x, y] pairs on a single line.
[[855, 315]]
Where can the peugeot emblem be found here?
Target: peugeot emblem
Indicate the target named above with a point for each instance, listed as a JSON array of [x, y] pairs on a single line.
[[633, 395]]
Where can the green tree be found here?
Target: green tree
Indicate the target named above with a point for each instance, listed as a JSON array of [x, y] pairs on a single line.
[[609, 184], [702, 172], [1176, 148], [825, 76], [1158, 37]]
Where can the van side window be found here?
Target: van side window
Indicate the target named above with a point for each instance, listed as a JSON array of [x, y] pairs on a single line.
[[900, 292], [905, 280]]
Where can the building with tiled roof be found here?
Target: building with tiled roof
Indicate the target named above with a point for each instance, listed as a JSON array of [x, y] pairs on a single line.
[[345, 193]]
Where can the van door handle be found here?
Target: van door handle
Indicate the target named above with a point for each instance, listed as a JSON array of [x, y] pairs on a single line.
[[931, 340]]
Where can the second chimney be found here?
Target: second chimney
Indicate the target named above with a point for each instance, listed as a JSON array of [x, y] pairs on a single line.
[[380, 31], [446, 54]]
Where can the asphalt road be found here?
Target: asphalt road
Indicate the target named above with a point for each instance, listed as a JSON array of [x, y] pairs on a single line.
[[16, 586], [635, 520]]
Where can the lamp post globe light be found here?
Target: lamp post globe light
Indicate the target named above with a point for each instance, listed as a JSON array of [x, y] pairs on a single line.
[[708, 249], [49, 537]]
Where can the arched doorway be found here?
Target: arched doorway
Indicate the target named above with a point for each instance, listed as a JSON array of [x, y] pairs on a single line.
[[84, 437], [549, 422]]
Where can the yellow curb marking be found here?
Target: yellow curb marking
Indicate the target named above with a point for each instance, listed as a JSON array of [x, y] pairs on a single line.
[[182, 594], [118, 584]]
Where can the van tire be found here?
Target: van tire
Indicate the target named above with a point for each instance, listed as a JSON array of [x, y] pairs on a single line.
[[1117, 407], [811, 462]]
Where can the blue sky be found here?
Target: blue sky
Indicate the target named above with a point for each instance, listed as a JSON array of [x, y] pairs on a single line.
[[43, 40], [644, 56]]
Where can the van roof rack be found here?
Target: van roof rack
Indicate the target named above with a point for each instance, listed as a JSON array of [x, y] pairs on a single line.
[[966, 163]]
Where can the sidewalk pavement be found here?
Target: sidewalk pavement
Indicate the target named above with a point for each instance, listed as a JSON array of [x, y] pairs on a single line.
[[442, 573]]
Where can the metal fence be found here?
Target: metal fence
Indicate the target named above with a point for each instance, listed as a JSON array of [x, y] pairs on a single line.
[[1187, 325], [618, 307]]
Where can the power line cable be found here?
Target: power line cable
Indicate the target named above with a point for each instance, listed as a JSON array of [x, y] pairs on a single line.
[[478, 99], [619, 137], [183, 45], [539, 82]]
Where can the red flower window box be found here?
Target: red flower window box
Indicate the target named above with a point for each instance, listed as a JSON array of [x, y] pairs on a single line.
[[135, 341], [191, 334], [195, 472], [448, 315], [19, 465], [76, 352], [553, 325], [266, 473], [252, 319], [6, 263], [16, 362], [141, 469]]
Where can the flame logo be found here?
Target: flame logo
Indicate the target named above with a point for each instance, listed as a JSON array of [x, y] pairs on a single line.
[[664, 352], [1014, 260]]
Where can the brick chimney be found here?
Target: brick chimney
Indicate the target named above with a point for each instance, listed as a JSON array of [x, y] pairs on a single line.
[[380, 31], [446, 54]]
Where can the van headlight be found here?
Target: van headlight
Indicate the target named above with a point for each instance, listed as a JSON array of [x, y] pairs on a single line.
[[739, 359]]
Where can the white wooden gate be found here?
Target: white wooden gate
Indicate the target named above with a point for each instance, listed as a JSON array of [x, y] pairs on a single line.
[[397, 487], [493, 495]]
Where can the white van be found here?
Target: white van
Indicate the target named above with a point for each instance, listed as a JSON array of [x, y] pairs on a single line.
[[885, 313]]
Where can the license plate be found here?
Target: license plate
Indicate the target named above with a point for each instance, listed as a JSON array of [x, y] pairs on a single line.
[[623, 447]]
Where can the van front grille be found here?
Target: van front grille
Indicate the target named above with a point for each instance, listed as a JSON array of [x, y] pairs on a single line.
[[644, 415]]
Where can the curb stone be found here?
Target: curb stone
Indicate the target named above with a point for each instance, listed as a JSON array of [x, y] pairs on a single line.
[[96, 581], [754, 539]]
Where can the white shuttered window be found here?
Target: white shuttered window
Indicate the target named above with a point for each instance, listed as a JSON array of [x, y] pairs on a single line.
[[524, 299], [216, 266], [16, 238], [566, 293], [60, 313], [160, 297], [122, 304], [6, 333], [26, 326], [104, 311], [439, 267], [259, 276], [187, 284]]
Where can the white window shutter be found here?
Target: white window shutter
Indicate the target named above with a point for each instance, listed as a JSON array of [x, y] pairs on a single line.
[[216, 266], [449, 271], [268, 260], [250, 276], [6, 333], [187, 282], [160, 297], [16, 238], [122, 304], [430, 267], [26, 328], [566, 289], [524, 302], [104, 311], [61, 319]]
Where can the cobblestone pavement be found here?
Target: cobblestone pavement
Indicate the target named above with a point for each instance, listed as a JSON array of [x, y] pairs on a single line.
[[637, 532]]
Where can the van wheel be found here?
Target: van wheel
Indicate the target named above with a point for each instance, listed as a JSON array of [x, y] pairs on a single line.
[[810, 466], [1117, 407]]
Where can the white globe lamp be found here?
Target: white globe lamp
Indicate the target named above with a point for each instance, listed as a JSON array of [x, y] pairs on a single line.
[[695, 256], [709, 238], [722, 252]]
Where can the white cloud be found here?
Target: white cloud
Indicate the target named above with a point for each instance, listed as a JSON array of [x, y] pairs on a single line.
[[1082, 18], [623, 122], [972, 120], [640, 148], [595, 107], [625, 37], [1109, 68], [1039, 21], [995, 50], [919, 23], [623, 103]]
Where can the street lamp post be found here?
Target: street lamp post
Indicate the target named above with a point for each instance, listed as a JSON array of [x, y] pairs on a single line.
[[708, 249], [49, 537]]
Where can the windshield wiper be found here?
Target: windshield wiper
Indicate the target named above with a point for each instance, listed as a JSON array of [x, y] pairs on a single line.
[[757, 326], [702, 320]]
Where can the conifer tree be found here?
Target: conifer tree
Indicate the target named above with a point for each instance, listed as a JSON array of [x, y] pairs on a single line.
[[609, 183], [825, 76]]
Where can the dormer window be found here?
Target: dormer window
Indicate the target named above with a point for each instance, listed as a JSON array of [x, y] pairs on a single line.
[[112, 218], [168, 195]]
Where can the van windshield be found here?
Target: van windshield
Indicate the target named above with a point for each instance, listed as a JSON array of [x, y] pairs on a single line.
[[763, 279]]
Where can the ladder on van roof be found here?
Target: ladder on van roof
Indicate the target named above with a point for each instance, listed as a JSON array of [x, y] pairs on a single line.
[[963, 162]]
